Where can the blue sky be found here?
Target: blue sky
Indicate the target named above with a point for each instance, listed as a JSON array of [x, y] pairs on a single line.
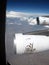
[[28, 6]]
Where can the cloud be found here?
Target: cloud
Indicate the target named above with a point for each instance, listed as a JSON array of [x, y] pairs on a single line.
[[22, 14], [32, 21], [17, 14], [27, 17], [44, 20]]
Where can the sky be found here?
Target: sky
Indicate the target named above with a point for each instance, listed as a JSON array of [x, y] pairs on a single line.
[[28, 6]]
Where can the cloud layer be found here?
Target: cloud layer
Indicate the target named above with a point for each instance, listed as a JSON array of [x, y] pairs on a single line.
[[17, 14], [22, 14], [22, 17], [27, 17]]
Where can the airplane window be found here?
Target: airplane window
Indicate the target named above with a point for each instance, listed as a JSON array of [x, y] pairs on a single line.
[[27, 33]]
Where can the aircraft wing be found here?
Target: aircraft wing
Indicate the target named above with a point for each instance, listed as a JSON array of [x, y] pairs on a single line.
[[39, 29]]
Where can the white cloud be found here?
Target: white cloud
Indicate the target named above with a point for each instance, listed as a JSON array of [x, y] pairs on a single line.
[[22, 14], [17, 14], [44, 20], [26, 17], [33, 22], [47, 26], [30, 19]]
